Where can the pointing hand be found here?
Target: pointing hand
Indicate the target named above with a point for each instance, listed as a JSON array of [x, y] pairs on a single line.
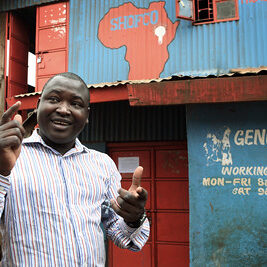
[[131, 204], [11, 135]]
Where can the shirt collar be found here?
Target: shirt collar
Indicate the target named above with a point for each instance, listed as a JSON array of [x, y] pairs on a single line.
[[36, 138]]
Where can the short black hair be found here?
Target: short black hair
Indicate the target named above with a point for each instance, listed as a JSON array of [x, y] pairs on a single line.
[[71, 76]]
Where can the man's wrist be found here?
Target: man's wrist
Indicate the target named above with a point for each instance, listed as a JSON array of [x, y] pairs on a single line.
[[137, 223]]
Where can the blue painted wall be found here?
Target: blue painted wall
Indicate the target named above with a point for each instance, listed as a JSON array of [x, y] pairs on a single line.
[[211, 49], [7, 5], [227, 148]]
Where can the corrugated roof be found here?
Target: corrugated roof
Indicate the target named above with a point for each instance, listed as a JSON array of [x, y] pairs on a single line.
[[174, 77], [7, 5], [248, 71]]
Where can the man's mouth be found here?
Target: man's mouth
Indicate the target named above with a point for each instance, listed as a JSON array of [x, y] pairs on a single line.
[[61, 122]]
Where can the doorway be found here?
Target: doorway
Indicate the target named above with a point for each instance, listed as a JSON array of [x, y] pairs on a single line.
[[165, 178], [36, 47]]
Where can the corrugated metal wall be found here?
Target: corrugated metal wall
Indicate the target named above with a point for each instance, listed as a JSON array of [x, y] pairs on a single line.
[[118, 122], [212, 49], [6, 5]]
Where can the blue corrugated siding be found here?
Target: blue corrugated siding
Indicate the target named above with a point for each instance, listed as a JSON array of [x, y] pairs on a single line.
[[227, 225], [211, 49], [6, 5]]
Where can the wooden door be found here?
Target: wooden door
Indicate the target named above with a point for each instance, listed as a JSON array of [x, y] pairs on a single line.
[[165, 178]]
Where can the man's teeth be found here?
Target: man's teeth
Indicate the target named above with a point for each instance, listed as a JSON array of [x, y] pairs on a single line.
[[61, 122]]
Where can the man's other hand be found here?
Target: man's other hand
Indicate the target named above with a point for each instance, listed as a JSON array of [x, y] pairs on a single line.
[[131, 204]]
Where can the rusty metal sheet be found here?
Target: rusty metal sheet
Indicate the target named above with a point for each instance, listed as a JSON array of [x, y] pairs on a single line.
[[231, 89]]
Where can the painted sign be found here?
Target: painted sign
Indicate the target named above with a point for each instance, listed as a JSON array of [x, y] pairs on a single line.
[[134, 27], [227, 147]]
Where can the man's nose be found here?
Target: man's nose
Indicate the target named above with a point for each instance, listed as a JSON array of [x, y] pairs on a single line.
[[63, 108]]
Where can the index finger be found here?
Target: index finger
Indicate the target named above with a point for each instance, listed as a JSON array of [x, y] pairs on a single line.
[[7, 116]]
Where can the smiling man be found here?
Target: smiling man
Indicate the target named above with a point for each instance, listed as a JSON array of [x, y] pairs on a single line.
[[63, 111], [54, 192]]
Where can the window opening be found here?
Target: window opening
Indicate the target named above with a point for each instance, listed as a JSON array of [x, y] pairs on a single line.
[[207, 11], [204, 10]]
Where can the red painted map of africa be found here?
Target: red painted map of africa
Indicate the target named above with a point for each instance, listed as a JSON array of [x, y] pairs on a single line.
[[146, 33]]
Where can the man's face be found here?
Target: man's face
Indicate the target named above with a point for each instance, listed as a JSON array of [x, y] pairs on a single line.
[[62, 111]]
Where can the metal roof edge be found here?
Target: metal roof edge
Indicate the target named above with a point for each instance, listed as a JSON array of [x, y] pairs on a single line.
[[232, 72]]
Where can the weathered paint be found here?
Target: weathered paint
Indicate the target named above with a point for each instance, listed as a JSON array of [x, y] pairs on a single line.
[[228, 184], [7, 5], [228, 89], [51, 41], [105, 34]]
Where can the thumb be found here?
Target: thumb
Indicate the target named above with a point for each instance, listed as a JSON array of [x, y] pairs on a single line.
[[136, 181], [18, 118]]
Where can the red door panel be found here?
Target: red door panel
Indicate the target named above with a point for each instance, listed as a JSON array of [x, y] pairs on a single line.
[[52, 38], [52, 63], [17, 75], [54, 14], [172, 255], [171, 163], [18, 28], [19, 51], [177, 192], [172, 227], [166, 180], [41, 82], [123, 257]]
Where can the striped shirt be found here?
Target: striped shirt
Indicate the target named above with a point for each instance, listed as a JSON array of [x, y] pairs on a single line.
[[51, 205]]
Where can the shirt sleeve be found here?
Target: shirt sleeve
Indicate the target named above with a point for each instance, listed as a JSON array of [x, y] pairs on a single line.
[[117, 230], [4, 188]]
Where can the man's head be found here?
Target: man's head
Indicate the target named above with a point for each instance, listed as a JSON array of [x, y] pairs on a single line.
[[63, 110]]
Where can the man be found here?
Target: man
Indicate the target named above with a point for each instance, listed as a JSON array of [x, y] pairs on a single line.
[[54, 191]]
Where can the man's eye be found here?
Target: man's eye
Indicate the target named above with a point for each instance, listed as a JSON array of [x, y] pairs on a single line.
[[77, 105], [53, 99]]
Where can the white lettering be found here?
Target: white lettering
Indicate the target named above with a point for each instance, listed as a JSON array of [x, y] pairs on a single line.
[[250, 137], [245, 171], [260, 136], [213, 181], [239, 140], [235, 170]]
